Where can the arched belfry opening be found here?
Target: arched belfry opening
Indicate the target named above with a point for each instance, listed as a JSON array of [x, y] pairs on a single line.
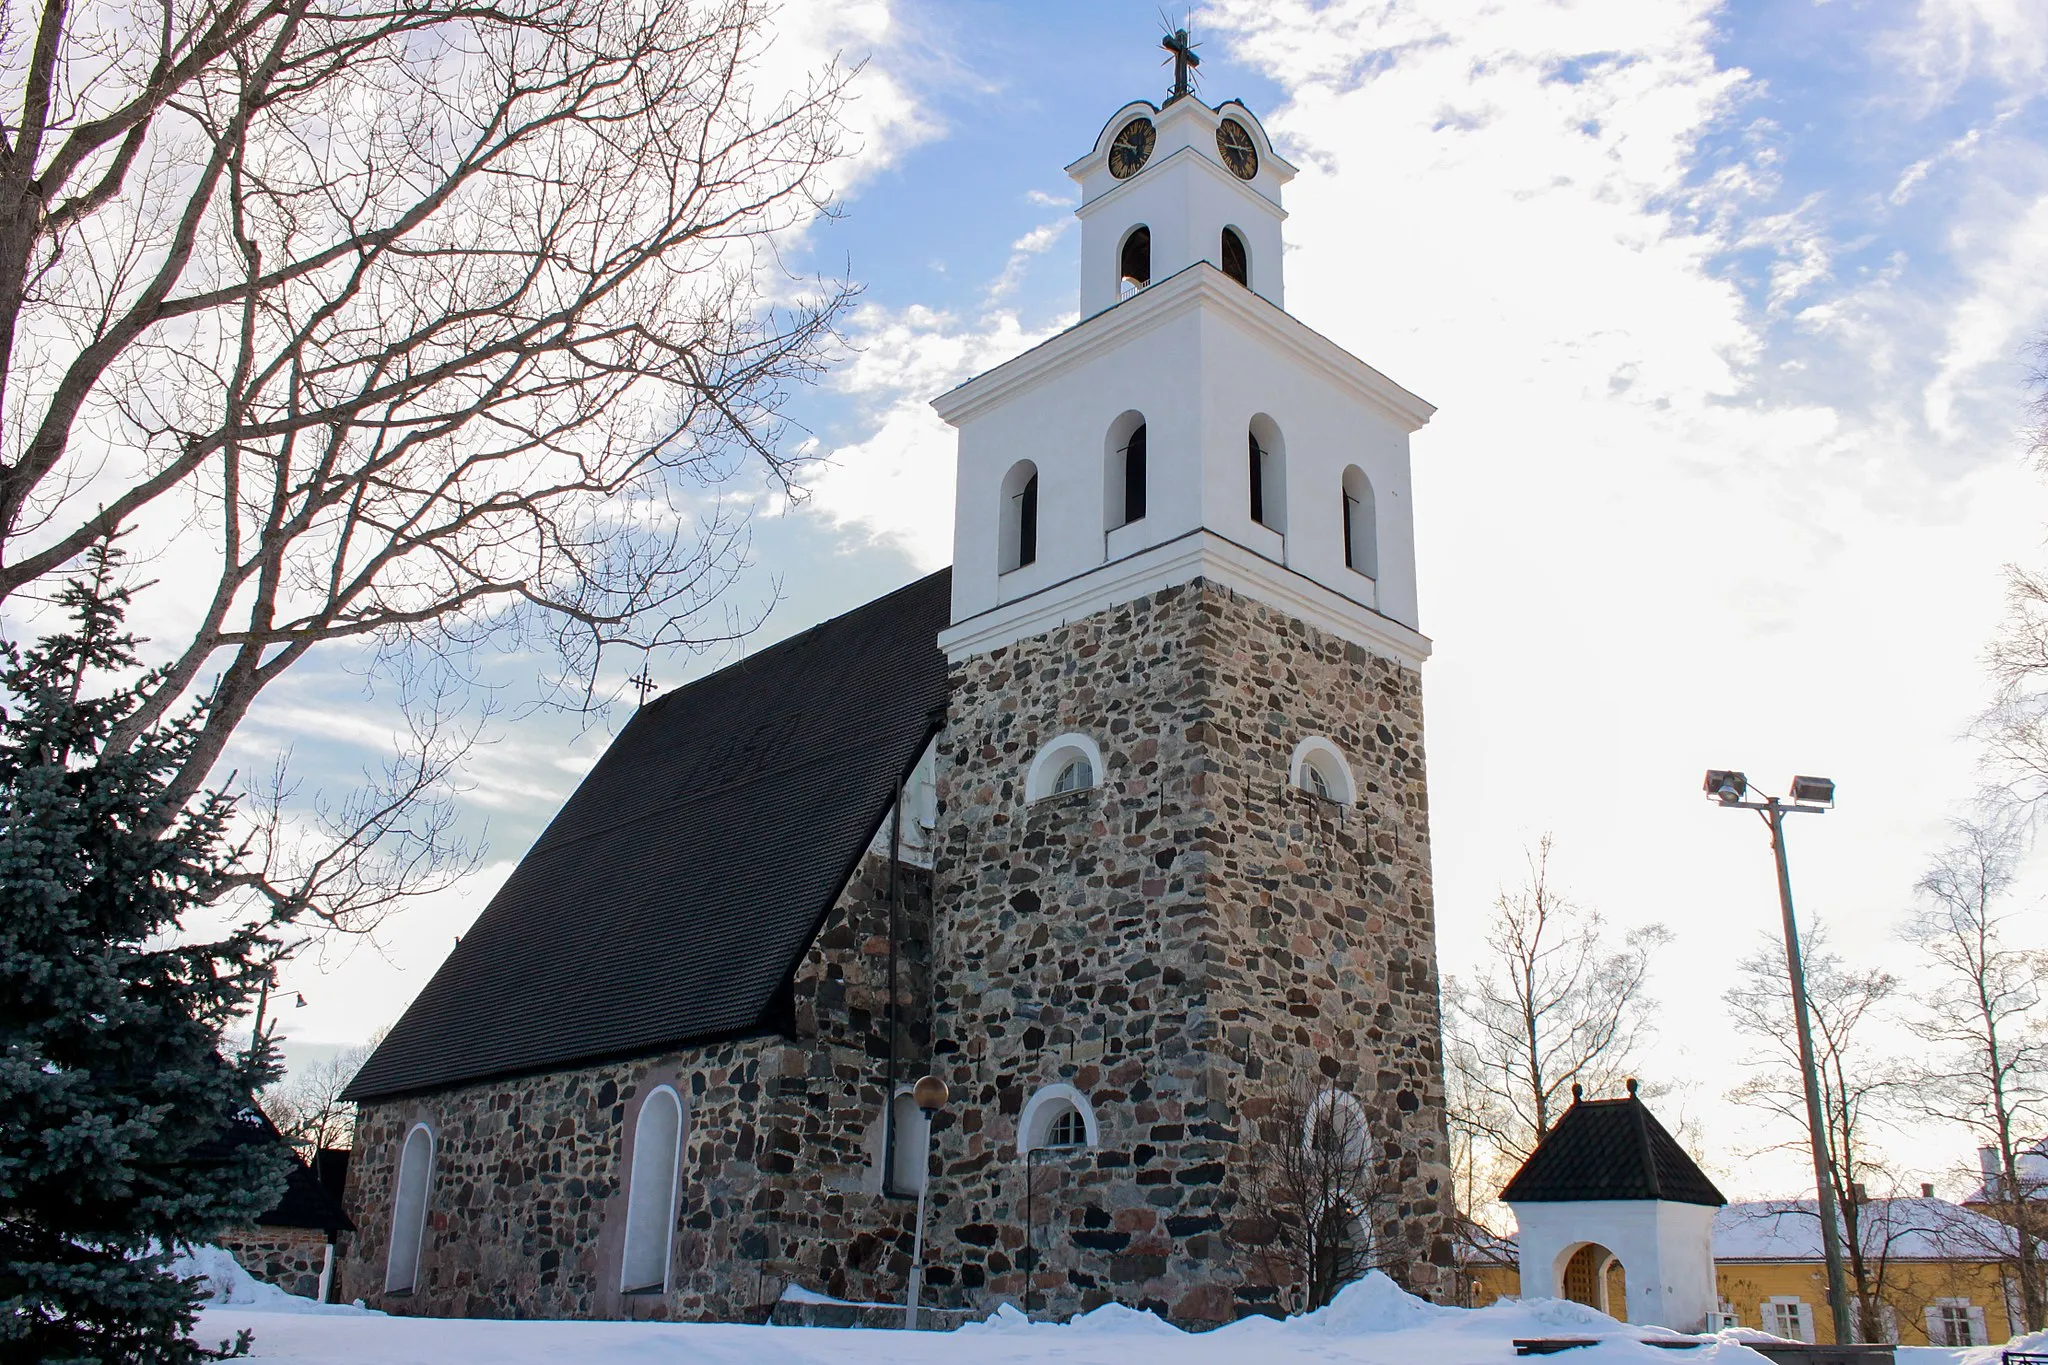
[[1134, 262], [1124, 474], [1236, 263], [1019, 544]]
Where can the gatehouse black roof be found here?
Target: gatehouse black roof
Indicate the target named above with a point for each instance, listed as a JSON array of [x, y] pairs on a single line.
[[671, 898], [1610, 1149]]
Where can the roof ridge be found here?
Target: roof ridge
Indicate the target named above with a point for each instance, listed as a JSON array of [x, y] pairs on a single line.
[[1641, 1113]]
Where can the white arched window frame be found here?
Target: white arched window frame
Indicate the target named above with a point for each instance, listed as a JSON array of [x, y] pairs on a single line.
[[1361, 524], [651, 1190], [1318, 767], [1234, 255], [1349, 1117], [1056, 760], [1045, 1109], [1266, 483], [1124, 474], [1134, 261], [910, 1143], [410, 1194], [1017, 543]]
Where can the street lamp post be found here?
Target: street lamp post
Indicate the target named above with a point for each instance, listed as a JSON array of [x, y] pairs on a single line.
[[929, 1094], [1809, 796]]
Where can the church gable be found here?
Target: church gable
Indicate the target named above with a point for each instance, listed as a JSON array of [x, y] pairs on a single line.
[[672, 896]]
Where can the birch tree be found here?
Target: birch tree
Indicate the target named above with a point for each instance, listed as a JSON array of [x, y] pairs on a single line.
[[1559, 1000], [1980, 1013]]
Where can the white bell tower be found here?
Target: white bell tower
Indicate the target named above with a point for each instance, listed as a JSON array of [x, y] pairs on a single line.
[[1182, 195], [1188, 426]]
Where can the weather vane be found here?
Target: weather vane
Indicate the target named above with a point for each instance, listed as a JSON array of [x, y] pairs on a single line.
[[1184, 61]]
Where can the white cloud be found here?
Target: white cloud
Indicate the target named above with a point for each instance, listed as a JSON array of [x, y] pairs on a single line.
[[896, 483], [1656, 532]]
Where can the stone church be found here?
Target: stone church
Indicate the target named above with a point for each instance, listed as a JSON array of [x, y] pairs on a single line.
[[1118, 826]]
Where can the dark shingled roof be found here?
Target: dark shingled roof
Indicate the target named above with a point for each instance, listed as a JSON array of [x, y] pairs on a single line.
[[308, 1201], [670, 900], [1610, 1149]]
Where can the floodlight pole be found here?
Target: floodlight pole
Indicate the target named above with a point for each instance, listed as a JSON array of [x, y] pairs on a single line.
[[1774, 812]]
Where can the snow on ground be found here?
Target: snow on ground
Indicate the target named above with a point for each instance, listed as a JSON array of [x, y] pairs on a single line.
[[1371, 1323]]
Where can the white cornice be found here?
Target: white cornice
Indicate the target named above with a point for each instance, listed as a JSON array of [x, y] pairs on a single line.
[[1199, 554], [1200, 285]]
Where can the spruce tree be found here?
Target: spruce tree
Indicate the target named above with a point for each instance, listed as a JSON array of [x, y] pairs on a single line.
[[114, 1088]]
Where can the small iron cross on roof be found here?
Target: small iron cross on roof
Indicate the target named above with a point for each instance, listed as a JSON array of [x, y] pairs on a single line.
[[1184, 61], [644, 683]]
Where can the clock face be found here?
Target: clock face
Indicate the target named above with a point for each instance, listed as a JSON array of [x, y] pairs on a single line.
[[1133, 144], [1235, 143]]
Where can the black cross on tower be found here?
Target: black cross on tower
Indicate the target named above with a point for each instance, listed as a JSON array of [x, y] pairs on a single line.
[[1184, 61]]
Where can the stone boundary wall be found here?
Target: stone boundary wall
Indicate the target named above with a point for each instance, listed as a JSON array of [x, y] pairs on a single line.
[[290, 1258], [781, 1176]]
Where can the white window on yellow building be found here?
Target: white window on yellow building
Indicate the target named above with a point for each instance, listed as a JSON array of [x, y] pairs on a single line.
[[1789, 1317], [1956, 1322]]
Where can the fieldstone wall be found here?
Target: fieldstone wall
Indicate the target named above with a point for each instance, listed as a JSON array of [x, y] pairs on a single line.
[[1183, 944], [781, 1161], [289, 1258]]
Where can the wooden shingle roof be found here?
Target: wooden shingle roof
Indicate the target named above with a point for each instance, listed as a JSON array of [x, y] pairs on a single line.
[[672, 897], [1610, 1149]]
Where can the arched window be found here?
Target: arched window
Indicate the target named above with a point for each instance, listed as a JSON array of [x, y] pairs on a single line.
[[1361, 529], [1336, 1124], [1071, 763], [910, 1144], [1134, 262], [651, 1193], [1019, 545], [1268, 474], [409, 1210], [1236, 264], [1057, 1116], [1124, 482], [1317, 766]]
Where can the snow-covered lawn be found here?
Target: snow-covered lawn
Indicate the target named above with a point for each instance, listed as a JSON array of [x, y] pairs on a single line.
[[1371, 1323]]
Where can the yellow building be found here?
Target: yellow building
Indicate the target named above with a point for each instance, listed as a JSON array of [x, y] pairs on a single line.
[[1935, 1269]]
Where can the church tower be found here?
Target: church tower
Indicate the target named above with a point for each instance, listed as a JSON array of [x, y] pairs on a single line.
[[1182, 867]]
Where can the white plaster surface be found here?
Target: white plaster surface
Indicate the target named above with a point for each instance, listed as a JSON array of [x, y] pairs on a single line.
[[1666, 1252]]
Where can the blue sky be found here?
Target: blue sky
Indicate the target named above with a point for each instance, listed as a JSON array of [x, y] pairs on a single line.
[[1723, 307]]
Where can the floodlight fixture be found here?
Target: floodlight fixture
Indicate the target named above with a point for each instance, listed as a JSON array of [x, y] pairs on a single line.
[[1726, 787], [1813, 791]]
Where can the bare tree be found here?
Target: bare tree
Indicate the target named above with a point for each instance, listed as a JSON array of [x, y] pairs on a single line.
[[1980, 1013], [2014, 729], [398, 328], [307, 1106], [1314, 1188], [1558, 1003], [1847, 1005]]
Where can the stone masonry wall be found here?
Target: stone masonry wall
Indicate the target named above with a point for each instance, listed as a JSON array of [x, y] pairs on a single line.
[[781, 1178], [1180, 944], [289, 1258]]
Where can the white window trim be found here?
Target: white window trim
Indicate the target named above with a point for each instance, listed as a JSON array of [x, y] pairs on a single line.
[[1053, 756], [419, 1232], [675, 1190], [1320, 747], [1035, 1123], [910, 1127], [1802, 1316]]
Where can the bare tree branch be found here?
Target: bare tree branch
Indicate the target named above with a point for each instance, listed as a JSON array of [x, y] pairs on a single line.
[[402, 329], [1980, 1014]]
